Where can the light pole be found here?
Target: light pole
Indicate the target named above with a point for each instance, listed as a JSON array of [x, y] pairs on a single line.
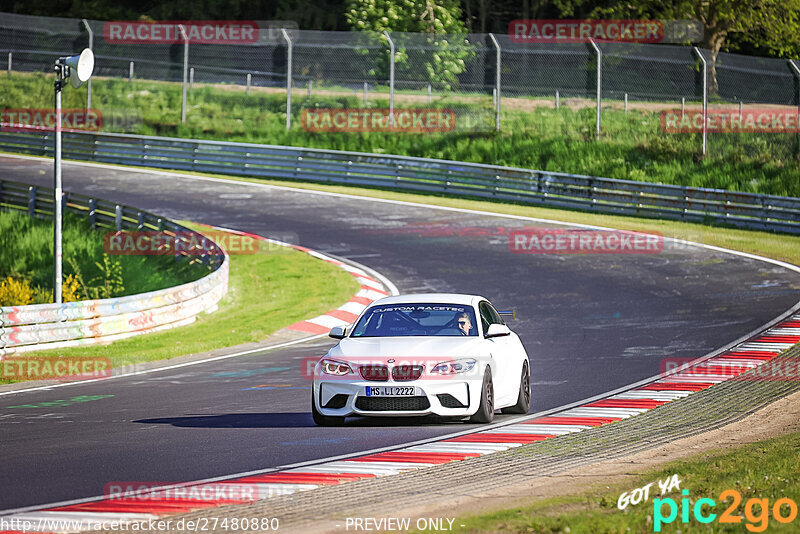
[[77, 69]]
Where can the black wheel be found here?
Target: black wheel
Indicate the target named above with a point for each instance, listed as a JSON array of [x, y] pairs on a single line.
[[485, 413], [323, 420], [524, 399]]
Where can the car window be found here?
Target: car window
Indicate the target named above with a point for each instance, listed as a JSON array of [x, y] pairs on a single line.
[[423, 319], [489, 315]]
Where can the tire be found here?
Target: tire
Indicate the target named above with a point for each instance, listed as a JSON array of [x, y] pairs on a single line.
[[524, 398], [323, 420], [485, 413]]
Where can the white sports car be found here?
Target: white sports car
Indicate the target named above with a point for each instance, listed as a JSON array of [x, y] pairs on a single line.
[[445, 354]]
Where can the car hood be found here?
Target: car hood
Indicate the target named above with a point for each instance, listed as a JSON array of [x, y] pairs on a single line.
[[441, 348]]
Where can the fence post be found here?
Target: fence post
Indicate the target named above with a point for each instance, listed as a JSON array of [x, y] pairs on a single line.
[[391, 77], [249, 79], [92, 212], [558, 98], [365, 93], [185, 69], [626, 102], [683, 106], [191, 79], [429, 93], [498, 64], [288, 78], [310, 85], [130, 72], [10, 57], [796, 71], [31, 201], [91, 47], [599, 82], [705, 96]]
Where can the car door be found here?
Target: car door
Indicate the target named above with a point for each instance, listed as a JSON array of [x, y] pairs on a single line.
[[504, 353]]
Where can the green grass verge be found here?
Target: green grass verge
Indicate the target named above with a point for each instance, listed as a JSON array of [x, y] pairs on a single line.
[[763, 470], [267, 291], [27, 253], [535, 136]]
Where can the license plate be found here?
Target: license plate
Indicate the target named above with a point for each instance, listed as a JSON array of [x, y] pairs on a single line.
[[390, 391]]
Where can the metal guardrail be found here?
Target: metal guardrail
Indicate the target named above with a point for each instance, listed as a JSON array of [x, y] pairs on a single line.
[[38, 326], [602, 195]]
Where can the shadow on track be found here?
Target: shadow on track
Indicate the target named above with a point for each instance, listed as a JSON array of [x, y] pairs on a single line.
[[293, 420]]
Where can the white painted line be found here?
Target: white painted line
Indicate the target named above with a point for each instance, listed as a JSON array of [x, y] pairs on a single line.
[[327, 321], [353, 307]]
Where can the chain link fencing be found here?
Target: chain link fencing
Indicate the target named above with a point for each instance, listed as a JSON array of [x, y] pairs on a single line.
[[477, 78]]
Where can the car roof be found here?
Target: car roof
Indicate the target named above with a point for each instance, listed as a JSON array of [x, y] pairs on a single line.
[[433, 298]]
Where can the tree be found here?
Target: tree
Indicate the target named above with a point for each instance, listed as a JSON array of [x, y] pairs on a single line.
[[442, 50], [770, 24]]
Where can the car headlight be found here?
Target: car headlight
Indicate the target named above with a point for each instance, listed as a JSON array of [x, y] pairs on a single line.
[[332, 367], [454, 366]]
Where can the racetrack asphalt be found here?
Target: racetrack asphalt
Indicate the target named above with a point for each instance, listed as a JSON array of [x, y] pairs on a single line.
[[590, 323]]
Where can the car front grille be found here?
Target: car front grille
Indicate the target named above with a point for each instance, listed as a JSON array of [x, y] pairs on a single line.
[[392, 404], [405, 373], [374, 373]]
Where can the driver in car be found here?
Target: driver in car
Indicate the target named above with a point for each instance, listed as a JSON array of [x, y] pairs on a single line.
[[464, 324]]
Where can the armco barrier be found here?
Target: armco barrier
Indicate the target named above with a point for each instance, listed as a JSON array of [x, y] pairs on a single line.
[[602, 195], [25, 328]]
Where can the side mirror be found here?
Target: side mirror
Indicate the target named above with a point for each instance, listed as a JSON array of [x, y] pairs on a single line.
[[338, 332], [497, 330]]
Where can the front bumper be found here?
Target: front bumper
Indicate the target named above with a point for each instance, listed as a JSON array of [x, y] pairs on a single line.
[[447, 397]]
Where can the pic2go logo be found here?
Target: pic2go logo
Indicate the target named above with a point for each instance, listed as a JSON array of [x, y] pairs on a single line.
[[756, 511]]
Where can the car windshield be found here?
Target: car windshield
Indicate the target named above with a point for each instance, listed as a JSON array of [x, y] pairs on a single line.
[[417, 320]]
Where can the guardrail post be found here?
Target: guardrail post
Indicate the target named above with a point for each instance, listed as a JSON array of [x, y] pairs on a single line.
[[391, 77], [130, 72], [599, 83], [160, 225], [498, 66], [91, 47], [185, 69], [92, 212], [118, 218], [31, 201], [140, 221], [705, 96], [288, 78]]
